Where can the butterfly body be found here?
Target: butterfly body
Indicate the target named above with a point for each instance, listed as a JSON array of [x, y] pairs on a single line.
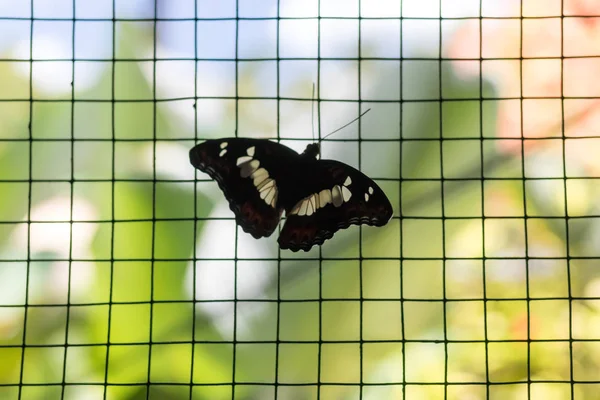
[[261, 179]]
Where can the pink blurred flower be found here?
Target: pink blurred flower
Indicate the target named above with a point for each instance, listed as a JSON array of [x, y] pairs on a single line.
[[539, 60]]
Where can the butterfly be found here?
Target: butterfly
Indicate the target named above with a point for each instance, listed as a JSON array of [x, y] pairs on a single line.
[[261, 178]]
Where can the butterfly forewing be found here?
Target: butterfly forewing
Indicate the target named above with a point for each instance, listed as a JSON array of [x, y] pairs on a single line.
[[246, 179]]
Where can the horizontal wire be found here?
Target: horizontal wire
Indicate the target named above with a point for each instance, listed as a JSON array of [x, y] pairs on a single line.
[[283, 18], [365, 258], [283, 341], [332, 140], [283, 98], [274, 59], [396, 180], [308, 300], [192, 219], [322, 382]]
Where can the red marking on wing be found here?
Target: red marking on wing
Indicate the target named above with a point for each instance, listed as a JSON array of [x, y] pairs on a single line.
[[301, 233], [256, 223]]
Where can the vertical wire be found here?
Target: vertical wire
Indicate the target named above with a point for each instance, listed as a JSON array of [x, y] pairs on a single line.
[[524, 188], [235, 258], [195, 218], [400, 223], [72, 184], [153, 235], [29, 204], [278, 132], [360, 230], [112, 203], [566, 208], [443, 203], [318, 99], [483, 216]]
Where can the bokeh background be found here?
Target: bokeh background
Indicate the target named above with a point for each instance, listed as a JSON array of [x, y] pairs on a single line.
[[122, 273]]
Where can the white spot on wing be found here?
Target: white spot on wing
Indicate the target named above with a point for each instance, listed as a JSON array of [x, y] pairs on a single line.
[[313, 203], [271, 195], [324, 197], [311, 207], [269, 183], [263, 193], [294, 210], [336, 193], [348, 181], [346, 193], [223, 145], [366, 196], [222, 153], [242, 160], [248, 168], [303, 207], [370, 190], [259, 176], [250, 151]]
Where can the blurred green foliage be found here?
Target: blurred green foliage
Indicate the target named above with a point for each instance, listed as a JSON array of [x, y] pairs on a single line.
[[443, 295]]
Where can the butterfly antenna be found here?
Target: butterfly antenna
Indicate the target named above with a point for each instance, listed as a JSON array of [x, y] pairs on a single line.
[[349, 123]]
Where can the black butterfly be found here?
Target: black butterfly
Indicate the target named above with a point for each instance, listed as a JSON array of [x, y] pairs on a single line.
[[261, 178]]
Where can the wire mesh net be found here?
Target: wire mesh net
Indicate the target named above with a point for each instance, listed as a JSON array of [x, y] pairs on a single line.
[[124, 276]]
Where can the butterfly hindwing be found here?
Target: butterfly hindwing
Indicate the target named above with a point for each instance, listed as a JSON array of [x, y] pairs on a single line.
[[243, 176], [338, 196]]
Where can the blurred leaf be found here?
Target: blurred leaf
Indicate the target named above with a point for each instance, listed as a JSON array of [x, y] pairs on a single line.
[[10, 365]]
